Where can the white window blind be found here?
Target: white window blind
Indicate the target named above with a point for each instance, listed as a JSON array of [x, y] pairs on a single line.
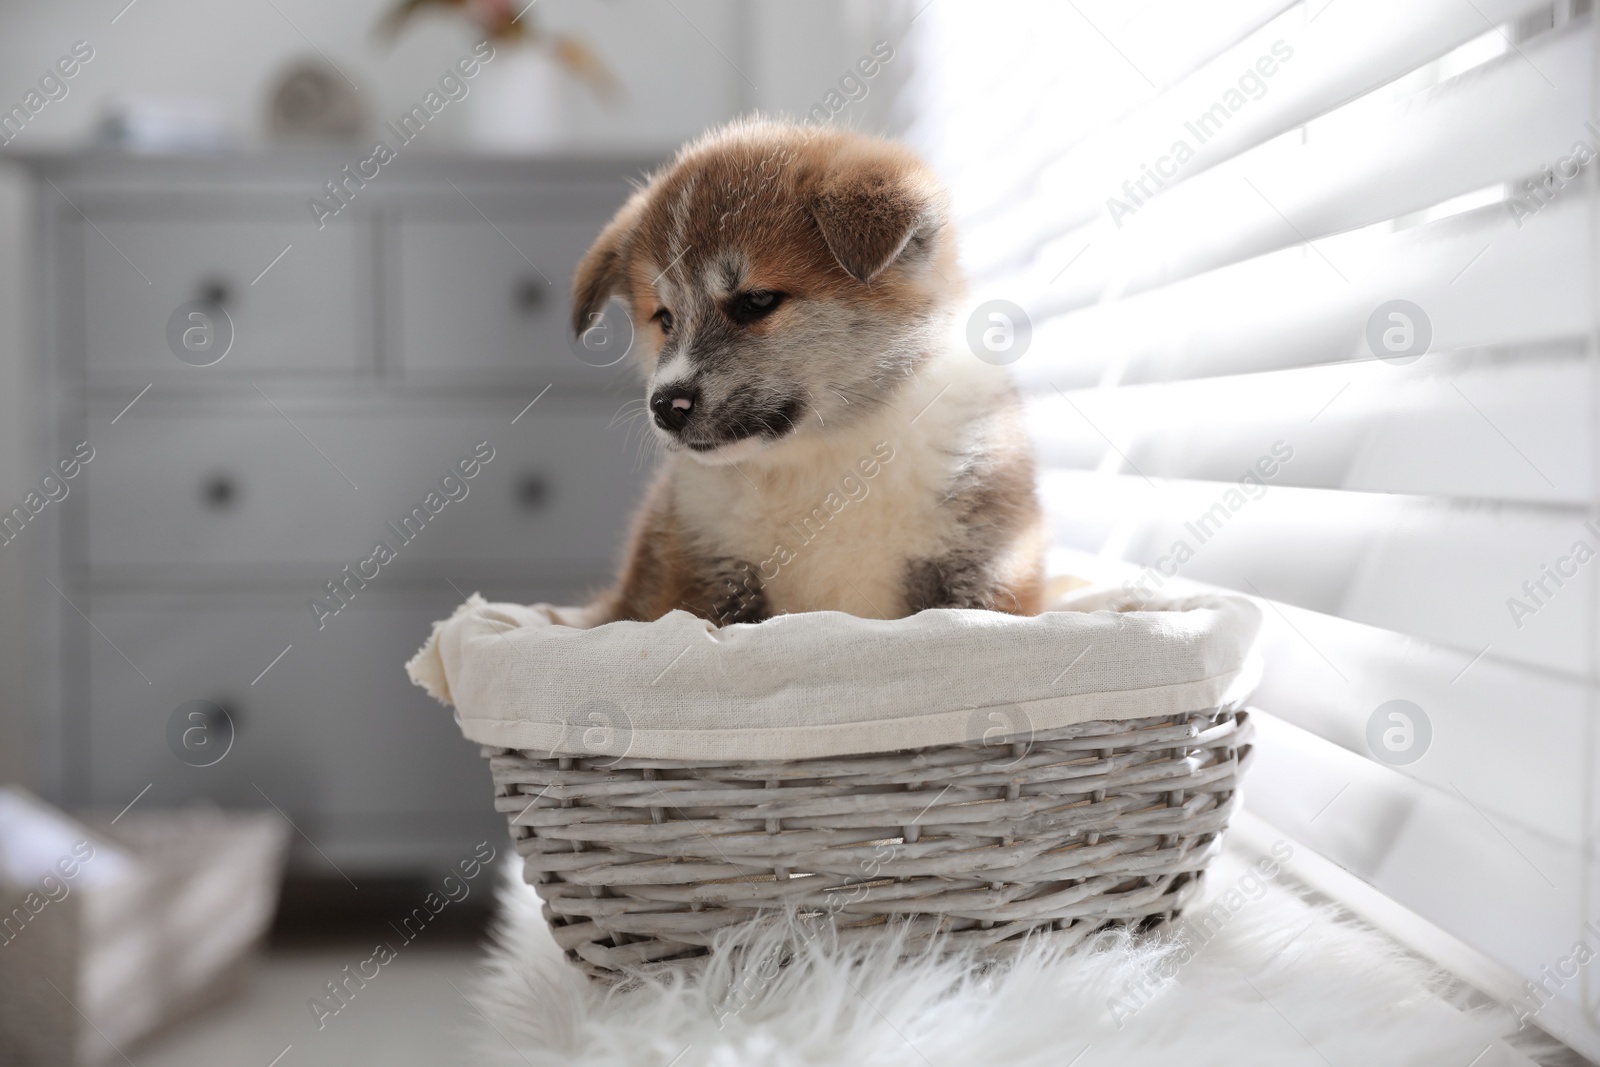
[[1207, 212]]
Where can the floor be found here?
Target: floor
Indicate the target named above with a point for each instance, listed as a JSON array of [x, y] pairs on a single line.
[[410, 1015]]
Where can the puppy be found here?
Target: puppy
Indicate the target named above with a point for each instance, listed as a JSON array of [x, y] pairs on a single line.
[[793, 288]]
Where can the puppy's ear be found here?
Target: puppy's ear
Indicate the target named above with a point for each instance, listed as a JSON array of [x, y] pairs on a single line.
[[602, 271], [870, 209]]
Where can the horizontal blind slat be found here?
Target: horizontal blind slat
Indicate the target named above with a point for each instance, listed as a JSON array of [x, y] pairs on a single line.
[[1510, 428], [1415, 566], [1481, 278]]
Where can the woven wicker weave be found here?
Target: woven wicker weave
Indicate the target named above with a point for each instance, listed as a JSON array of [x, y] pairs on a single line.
[[1056, 834]]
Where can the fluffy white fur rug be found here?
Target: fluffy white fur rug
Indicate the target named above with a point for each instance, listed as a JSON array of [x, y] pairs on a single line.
[[1281, 983]]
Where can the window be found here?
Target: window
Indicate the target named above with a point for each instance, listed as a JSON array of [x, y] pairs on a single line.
[[1311, 291]]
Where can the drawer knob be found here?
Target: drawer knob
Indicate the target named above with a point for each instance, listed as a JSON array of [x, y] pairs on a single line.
[[219, 492], [200, 732], [215, 291], [530, 295], [533, 491]]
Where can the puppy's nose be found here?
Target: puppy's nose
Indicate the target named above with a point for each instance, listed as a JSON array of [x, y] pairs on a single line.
[[672, 406]]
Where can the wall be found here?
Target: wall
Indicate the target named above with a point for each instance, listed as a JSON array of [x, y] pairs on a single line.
[[684, 64]]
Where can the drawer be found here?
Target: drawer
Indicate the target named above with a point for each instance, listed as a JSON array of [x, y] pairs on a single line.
[[305, 314], [373, 770], [477, 299], [247, 489]]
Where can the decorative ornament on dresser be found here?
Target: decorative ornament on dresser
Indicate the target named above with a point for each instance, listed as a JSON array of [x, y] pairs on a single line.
[[312, 101], [525, 104]]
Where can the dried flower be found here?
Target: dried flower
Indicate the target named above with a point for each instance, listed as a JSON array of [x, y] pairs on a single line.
[[512, 21]]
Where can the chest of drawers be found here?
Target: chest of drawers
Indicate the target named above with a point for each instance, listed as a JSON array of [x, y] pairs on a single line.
[[365, 360]]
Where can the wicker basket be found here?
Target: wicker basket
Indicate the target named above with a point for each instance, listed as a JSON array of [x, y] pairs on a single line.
[[978, 777], [1054, 834]]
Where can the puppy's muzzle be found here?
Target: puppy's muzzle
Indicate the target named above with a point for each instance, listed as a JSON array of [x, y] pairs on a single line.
[[673, 406]]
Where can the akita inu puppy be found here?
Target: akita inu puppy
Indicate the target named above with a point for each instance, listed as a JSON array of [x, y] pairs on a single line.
[[827, 446]]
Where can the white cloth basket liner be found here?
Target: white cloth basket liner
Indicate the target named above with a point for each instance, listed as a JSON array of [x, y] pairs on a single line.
[[826, 683]]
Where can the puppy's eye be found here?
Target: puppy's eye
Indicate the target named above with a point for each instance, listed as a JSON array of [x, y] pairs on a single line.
[[753, 305], [663, 317]]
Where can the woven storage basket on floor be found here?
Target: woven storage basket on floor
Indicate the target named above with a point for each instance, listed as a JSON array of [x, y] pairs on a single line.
[[1030, 816]]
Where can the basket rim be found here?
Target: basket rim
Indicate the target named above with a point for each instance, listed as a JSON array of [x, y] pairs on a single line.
[[825, 683]]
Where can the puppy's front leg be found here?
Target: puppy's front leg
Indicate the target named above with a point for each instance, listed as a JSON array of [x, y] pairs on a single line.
[[967, 581], [742, 597], [953, 581], [724, 591], [992, 552], [662, 572]]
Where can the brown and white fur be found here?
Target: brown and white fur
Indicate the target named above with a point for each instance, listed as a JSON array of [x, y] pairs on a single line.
[[826, 447]]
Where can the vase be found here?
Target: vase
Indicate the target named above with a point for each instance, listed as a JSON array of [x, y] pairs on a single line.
[[520, 104]]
